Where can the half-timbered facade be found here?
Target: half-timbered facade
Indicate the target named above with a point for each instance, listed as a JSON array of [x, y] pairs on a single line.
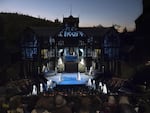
[[69, 48]]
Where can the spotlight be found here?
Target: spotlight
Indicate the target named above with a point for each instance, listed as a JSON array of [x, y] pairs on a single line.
[[60, 61], [82, 61]]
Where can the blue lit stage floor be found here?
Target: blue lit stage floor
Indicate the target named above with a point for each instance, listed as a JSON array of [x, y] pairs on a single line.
[[70, 78]]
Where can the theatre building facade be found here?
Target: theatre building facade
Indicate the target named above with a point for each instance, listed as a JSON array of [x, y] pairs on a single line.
[[69, 48]]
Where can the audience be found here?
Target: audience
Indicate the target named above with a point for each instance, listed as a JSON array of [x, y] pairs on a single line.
[[15, 105], [77, 99], [74, 104], [43, 105], [3, 105], [85, 105], [110, 106], [125, 108], [61, 105]]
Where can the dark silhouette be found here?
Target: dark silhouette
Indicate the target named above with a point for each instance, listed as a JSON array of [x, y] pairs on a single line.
[[61, 105]]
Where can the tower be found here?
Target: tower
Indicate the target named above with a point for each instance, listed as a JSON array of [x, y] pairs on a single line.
[[71, 21]]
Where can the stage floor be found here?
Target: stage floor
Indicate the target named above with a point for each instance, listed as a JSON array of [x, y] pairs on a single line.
[[70, 78]]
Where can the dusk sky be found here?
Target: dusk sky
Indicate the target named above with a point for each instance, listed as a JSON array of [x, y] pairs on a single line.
[[90, 12]]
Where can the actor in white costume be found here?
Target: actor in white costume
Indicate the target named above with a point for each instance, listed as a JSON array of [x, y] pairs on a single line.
[[41, 87], [34, 91]]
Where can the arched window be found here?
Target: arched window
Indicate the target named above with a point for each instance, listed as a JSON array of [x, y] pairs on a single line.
[[29, 45], [111, 45]]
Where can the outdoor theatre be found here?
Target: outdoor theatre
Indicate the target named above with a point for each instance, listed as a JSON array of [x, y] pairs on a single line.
[[69, 54]]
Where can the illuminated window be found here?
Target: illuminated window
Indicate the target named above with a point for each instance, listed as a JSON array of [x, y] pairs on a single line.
[[30, 48], [111, 46], [96, 53], [44, 53]]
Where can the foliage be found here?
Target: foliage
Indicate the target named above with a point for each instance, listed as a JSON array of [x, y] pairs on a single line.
[[11, 27], [14, 23]]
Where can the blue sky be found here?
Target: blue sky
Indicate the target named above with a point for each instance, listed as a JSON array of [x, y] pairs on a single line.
[[90, 12]]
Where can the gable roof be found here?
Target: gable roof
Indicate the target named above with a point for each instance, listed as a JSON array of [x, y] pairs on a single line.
[[96, 32], [46, 31]]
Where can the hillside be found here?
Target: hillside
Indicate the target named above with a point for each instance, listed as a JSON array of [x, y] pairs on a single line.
[[11, 24], [11, 27]]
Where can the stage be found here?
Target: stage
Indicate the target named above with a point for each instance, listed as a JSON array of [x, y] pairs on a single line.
[[69, 78]]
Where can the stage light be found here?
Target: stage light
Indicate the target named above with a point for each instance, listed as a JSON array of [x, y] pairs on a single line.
[[94, 85], [60, 61], [82, 61], [44, 69], [81, 50], [78, 76], [91, 70], [49, 84], [103, 69], [61, 50], [89, 82], [60, 77]]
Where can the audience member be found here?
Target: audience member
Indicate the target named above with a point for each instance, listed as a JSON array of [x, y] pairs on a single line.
[[111, 105], [15, 105], [43, 105], [61, 105]]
